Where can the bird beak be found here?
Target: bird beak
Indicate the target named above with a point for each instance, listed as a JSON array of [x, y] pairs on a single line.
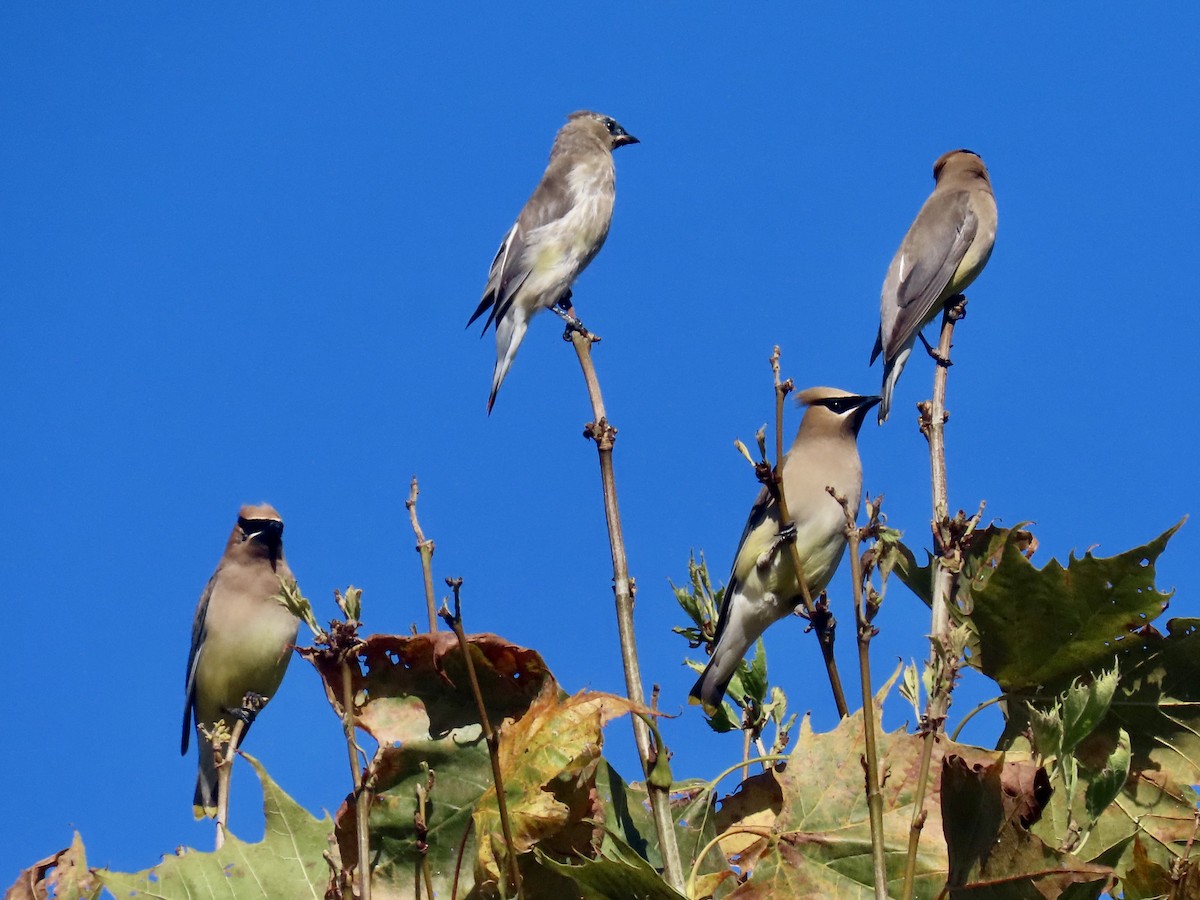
[[865, 407], [622, 140]]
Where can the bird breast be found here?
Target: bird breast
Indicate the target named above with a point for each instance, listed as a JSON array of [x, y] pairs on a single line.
[[562, 248]]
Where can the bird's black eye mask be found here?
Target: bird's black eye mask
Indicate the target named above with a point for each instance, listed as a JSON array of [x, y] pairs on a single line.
[[613, 128], [838, 405], [254, 526]]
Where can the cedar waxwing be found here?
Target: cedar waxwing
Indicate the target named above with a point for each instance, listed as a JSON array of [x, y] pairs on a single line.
[[242, 637], [946, 247], [763, 587], [560, 230]]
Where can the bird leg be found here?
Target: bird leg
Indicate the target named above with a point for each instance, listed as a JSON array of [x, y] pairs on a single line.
[[566, 311], [786, 535], [252, 705], [942, 361]]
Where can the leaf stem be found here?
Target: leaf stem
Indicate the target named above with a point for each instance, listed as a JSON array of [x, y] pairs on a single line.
[[604, 434], [454, 620], [758, 830], [978, 709]]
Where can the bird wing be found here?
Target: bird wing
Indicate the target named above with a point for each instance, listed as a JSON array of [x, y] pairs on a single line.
[[760, 514], [926, 261], [199, 629], [512, 265]]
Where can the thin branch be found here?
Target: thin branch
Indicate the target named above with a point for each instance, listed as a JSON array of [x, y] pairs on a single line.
[[604, 434], [421, 825], [933, 421], [866, 631], [818, 615], [362, 795], [425, 547], [458, 859], [225, 775], [454, 620]]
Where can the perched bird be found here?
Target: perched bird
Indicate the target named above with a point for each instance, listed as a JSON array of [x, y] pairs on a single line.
[[560, 230], [946, 247], [763, 587], [242, 637]]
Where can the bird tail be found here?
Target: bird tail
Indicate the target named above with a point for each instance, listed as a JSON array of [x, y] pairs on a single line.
[[891, 374], [510, 331], [709, 689], [735, 636]]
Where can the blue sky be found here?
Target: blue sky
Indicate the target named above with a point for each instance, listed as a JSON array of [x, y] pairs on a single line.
[[239, 244]]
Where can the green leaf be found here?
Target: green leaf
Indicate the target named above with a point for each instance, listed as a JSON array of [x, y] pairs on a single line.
[[910, 689], [608, 878], [1157, 704], [1038, 626], [1104, 787], [754, 678], [288, 859], [1085, 706], [1047, 728]]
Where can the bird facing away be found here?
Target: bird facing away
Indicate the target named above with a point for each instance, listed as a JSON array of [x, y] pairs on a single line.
[[242, 637], [560, 230], [763, 587], [947, 245]]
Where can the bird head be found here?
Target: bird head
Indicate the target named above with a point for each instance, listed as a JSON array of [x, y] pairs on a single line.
[[960, 162], [832, 411], [605, 128], [259, 532]]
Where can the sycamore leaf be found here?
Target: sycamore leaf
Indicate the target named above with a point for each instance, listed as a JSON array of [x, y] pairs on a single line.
[[414, 697], [288, 859], [63, 875], [1085, 706], [802, 830], [1107, 784], [612, 878], [548, 759], [1147, 880], [1157, 705], [991, 854], [1039, 626]]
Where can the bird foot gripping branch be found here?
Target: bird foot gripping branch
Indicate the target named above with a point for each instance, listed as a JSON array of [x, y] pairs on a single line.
[[252, 705]]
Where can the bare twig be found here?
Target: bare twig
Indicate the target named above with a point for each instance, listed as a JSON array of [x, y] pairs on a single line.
[[225, 771], [1181, 868], [941, 661], [819, 617], [866, 631], [362, 795], [425, 547], [421, 825], [454, 620], [604, 434]]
